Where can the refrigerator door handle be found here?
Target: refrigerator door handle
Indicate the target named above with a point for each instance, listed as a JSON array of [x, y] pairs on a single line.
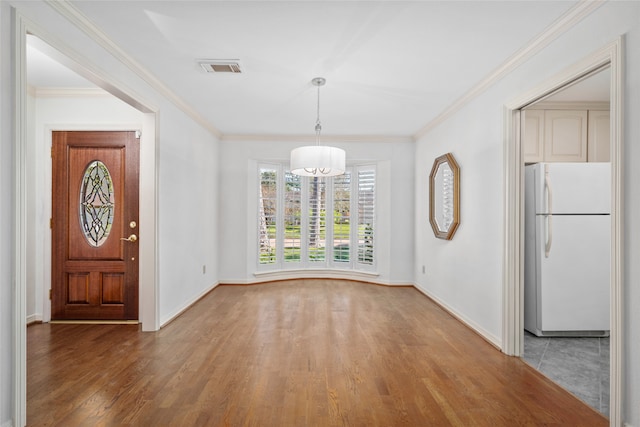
[[547, 246], [547, 185]]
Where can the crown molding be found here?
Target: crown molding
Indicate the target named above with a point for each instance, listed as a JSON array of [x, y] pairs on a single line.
[[77, 18], [334, 139], [570, 18]]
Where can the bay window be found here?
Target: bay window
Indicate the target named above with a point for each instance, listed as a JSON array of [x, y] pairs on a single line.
[[311, 222]]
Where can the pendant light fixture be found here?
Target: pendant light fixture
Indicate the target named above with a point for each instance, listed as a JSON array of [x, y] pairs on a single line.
[[318, 160]]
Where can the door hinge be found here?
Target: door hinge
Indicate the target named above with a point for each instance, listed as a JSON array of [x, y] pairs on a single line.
[[50, 293], [51, 223], [138, 134], [52, 151]]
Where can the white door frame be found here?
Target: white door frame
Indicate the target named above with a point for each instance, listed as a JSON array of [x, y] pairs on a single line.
[[148, 292], [513, 261]]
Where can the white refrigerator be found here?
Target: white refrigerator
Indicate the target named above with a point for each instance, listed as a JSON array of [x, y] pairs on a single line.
[[567, 249]]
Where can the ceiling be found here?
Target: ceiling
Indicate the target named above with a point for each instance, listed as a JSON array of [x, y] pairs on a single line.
[[391, 66], [595, 88]]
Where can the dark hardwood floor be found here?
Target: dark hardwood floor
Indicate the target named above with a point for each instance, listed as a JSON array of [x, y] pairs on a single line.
[[295, 353]]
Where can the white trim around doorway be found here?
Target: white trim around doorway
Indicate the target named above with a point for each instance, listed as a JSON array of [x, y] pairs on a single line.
[[149, 313], [513, 279]]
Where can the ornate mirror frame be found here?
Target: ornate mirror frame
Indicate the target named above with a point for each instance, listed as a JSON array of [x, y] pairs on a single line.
[[444, 196]]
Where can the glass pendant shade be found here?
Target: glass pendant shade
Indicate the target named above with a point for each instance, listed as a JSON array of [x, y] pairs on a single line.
[[317, 160]]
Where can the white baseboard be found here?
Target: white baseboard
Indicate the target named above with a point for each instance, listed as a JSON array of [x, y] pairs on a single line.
[[188, 305], [33, 318], [315, 273], [492, 339]]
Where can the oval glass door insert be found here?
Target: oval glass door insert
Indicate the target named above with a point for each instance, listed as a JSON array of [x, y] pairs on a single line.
[[96, 203]]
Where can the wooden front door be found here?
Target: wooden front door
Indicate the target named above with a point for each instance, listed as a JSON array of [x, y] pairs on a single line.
[[95, 225]]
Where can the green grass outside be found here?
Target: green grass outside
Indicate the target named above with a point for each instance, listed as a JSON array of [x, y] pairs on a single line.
[[340, 252], [293, 231]]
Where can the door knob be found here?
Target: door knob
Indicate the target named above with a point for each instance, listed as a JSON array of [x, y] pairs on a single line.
[[131, 238]]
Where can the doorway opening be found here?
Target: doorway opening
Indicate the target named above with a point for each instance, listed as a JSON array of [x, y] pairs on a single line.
[[514, 248], [566, 150], [90, 97], [28, 225]]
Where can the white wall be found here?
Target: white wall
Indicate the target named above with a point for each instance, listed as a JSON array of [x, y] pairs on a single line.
[[465, 274], [394, 209], [188, 214]]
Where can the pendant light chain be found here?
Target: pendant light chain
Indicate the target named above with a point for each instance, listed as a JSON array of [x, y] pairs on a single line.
[[318, 125]]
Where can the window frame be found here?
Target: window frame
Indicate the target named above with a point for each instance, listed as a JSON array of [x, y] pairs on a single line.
[[278, 244], [329, 263]]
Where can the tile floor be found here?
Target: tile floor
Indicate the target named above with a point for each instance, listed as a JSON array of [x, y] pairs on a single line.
[[580, 365]]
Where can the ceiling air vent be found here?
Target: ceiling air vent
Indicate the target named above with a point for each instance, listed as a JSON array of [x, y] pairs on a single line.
[[220, 65]]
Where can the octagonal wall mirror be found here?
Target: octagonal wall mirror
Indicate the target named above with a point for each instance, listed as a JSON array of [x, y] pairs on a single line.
[[444, 196]]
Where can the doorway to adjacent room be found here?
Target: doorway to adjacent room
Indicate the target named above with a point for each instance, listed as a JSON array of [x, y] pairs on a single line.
[[566, 140], [513, 314]]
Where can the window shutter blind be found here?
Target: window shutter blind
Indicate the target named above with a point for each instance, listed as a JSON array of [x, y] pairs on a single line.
[[366, 211], [267, 215], [317, 219], [341, 217], [292, 199]]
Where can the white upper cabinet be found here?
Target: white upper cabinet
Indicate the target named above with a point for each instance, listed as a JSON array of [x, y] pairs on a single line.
[[599, 137], [533, 136], [565, 135]]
